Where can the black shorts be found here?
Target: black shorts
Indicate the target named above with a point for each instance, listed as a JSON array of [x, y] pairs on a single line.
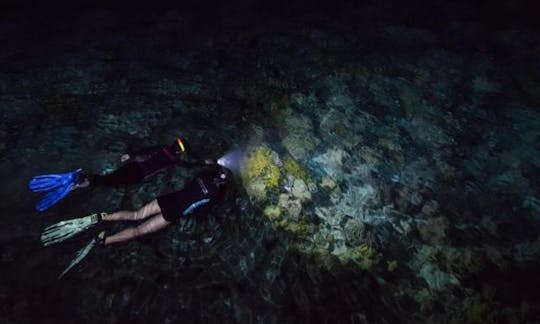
[[171, 205], [192, 199]]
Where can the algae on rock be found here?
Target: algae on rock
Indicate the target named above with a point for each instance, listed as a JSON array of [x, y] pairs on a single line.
[[261, 172], [296, 169]]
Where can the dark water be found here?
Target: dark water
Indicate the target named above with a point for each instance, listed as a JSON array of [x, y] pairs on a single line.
[[419, 142]]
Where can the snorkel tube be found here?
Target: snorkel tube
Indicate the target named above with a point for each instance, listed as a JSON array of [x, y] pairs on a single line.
[[181, 145]]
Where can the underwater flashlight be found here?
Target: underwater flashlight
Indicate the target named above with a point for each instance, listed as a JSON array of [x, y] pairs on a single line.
[[232, 160]]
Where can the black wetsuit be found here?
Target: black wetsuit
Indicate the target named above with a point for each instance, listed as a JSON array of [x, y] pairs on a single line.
[[143, 164], [197, 196]]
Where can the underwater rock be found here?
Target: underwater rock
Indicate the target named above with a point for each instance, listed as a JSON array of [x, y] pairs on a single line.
[[337, 243], [384, 91], [298, 146], [410, 101], [303, 102], [448, 172], [430, 208], [427, 134], [331, 162], [337, 128], [370, 155], [295, 170], [464, 261], [291, 207], [273, 212], [363, 255], [416, 199], [362, 202], [437, 279], [392, 148], [139, 123], [509, 182], [433, 230], [328, 183], [256, 189], [301, 191], [402, 226], [354, 232], [419, 175], [329, 215], [407, 200], [297, 133]]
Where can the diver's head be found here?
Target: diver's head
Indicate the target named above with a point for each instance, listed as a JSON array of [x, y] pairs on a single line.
[[180, 146]]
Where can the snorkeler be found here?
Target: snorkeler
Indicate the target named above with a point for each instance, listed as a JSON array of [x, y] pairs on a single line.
[[136, 167], [195, 198]]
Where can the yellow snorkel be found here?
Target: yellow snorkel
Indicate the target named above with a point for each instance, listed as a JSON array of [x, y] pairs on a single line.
[[181, 145]]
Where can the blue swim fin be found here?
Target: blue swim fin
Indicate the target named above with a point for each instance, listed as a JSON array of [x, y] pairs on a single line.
[[47, 182], [53, 197], [61, 187]]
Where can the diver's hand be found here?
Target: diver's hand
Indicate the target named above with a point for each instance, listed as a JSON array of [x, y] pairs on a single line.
[[124, 157]]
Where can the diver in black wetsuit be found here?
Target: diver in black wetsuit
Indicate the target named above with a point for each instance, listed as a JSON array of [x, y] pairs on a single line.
[[140, 165], [195, 198], [136, 167]]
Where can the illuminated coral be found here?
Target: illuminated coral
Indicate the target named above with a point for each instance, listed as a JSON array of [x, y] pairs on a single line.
[[261, 172], [295, 169]]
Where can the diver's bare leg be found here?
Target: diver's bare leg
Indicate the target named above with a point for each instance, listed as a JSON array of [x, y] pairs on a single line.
[[152, 208], [155, 223]]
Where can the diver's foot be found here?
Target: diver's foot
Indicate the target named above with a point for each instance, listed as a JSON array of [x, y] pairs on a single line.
[[81, 184]]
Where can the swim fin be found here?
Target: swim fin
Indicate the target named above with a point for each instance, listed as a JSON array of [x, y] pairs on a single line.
[[53, 197], [47, 182], [63, 230], [61, 184], [81, 254]]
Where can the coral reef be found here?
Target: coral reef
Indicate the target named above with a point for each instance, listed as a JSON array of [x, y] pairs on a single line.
[[297, 134], [261, 172], [296, 170]]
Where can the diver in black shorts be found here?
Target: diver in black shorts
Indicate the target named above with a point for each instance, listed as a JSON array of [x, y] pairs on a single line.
[[196, 198]]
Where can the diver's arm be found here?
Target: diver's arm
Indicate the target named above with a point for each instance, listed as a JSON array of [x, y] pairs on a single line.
[[140, 155], [193, 162]]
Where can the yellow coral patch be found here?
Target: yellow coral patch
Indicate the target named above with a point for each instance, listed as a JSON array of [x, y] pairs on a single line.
[[295, 169], [260, 165], [272, 212], [364, 255]]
